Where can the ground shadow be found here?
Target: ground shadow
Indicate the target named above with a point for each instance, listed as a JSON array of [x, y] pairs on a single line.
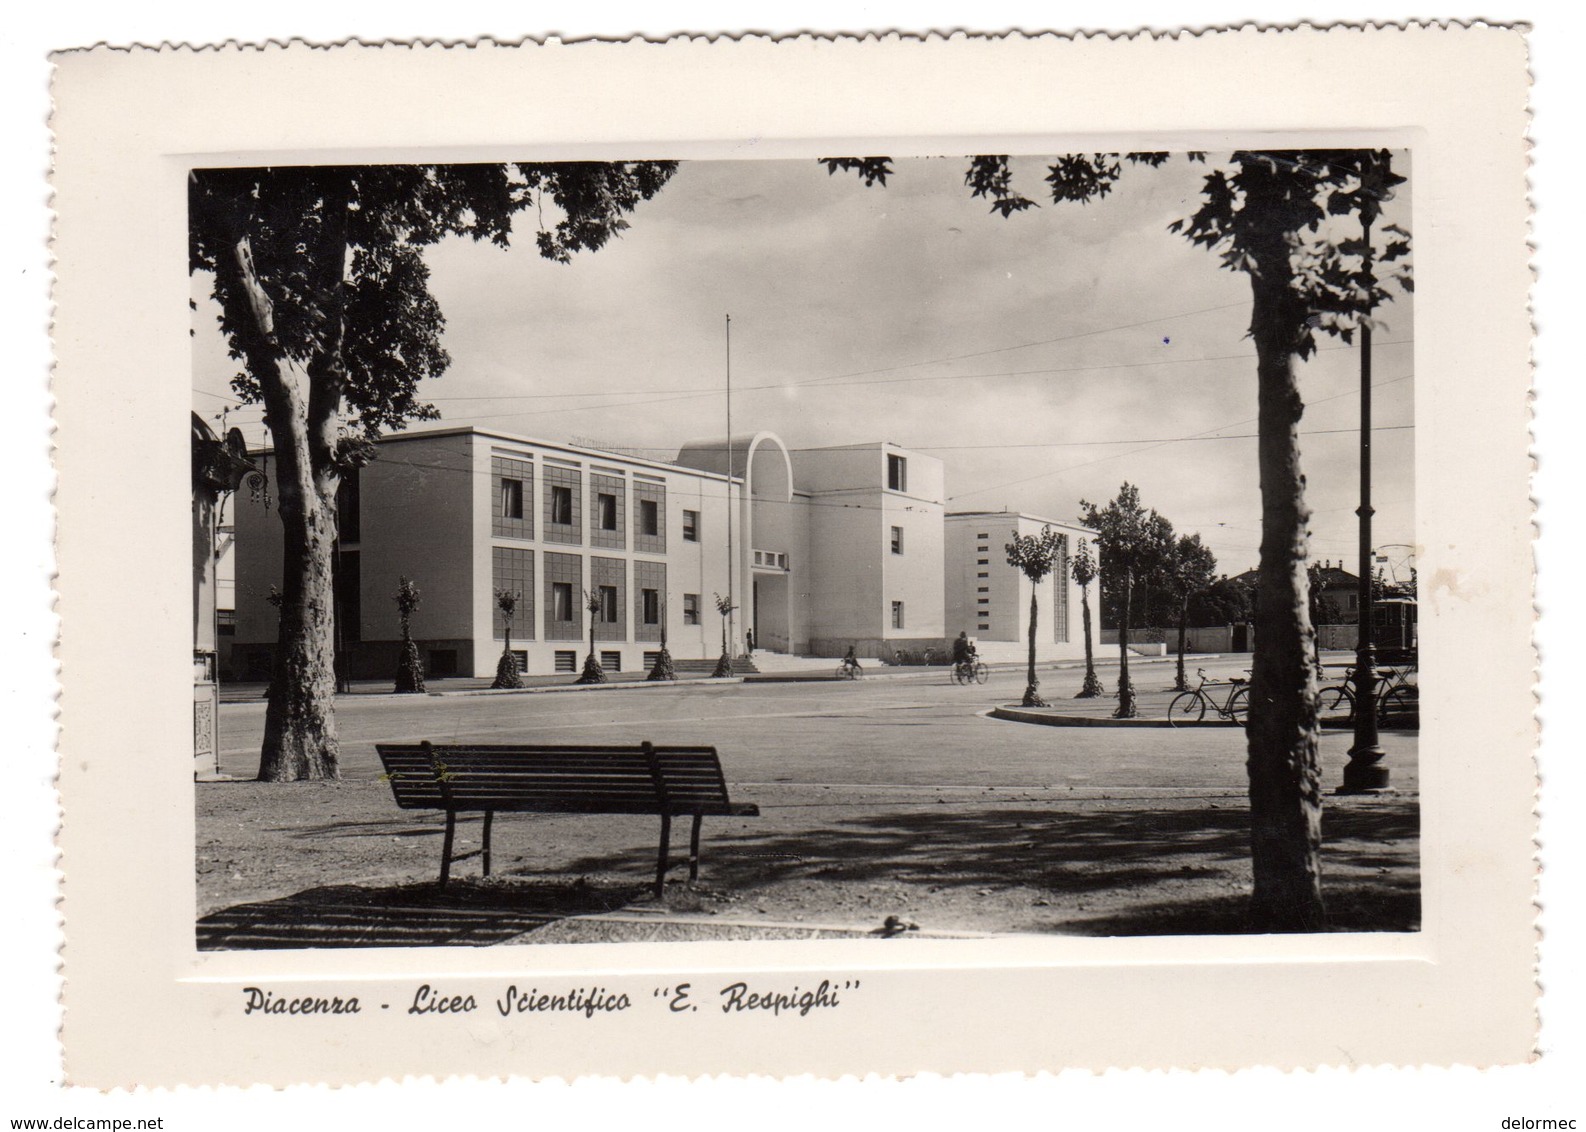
[[467, 913]]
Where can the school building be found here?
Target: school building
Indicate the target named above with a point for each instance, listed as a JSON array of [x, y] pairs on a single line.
[[819, 549]]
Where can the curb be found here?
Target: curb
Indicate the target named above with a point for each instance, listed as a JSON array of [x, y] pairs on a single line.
[[1023, 715]]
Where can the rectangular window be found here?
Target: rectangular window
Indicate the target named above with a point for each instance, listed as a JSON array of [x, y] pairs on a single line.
[[897, 615], [983, 534], [607, 506], [983, 589], [566, 661], [982, 574], [981, 549], [649, 516], [611, 661], [690, 526], [511, 499], [649, 589], [514, 481], [982, 628], [897, 473], [522, 657], [980, 562], [691, 609], [897, 540], [512, 571], [561, 504], [608, 604], [651, 659], [561, 601]]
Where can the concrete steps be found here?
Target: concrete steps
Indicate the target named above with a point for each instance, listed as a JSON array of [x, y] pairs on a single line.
[[741, 666]]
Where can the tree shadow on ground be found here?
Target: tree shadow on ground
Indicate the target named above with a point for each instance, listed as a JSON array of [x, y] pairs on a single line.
[[467, 913]]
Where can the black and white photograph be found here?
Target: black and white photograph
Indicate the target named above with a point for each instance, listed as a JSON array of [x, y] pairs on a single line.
[[1016, 559], [927, 546]]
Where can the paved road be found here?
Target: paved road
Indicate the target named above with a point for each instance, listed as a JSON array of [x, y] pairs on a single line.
[[874, 737]]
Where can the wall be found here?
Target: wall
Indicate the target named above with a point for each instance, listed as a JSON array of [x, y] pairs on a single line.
[[1006, 612]]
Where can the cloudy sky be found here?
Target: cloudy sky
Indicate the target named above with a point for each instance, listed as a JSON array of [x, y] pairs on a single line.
[[1045, 358]]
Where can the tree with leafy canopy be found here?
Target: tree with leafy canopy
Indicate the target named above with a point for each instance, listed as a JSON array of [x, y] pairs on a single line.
[[1190, 570], [323, 291], [1272, 216], [1035, 556], [507, 675], [1130, 542], [1084, 569], [410, 672]]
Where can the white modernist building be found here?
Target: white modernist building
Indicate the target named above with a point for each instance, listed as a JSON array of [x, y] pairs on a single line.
[[991, 600], [818, 549]]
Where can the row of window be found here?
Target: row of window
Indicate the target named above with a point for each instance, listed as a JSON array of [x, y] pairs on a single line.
[[562, 497], [566, 601], [566, 660]]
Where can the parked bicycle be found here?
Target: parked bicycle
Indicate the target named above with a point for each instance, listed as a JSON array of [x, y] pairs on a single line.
[[1192, 706], [1398, 696], [973, 671]]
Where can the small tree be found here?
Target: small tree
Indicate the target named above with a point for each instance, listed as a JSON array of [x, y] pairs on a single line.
[[662, 669], [724, 606], [592, 673], [410, 673], [1085, 573], [1189, 572], [1035, 556], [507, 667], [1129, 538]]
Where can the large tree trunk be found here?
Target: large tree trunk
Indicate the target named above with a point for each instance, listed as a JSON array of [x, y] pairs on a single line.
[[301, 407], [1125, 687], [300, 722], [1285, 790]]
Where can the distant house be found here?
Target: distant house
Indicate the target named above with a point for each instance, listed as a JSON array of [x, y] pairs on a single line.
[[1340, 593]]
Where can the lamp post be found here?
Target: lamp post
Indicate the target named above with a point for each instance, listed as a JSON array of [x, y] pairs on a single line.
[[1364, 774]]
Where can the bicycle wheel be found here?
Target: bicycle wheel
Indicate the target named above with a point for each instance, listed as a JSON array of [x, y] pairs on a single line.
[[958, 674], [1187, 707], [1399, 707], [981, 672], [1336, 699], [1239, 706], [845, 672]]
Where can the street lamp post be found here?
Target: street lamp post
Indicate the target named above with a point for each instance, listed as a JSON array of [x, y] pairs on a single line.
[[1364, 774]]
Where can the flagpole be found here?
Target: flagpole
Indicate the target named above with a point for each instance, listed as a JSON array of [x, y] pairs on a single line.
[[732, 637]]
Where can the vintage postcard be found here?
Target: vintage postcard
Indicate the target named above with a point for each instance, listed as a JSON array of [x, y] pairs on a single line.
[[819, 556]]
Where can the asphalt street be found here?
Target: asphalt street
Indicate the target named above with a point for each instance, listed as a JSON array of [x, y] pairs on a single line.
[[885, 733]]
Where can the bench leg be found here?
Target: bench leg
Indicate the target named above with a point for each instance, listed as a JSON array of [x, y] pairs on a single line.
[[666, 846], [489, 814], [446, 847], [693, 849]]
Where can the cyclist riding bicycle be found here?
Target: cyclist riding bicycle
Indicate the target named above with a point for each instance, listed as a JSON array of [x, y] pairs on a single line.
[[963, 652], [850, 660]]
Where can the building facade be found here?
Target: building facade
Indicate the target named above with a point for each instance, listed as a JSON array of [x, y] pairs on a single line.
[[990, 600], [816, 550]]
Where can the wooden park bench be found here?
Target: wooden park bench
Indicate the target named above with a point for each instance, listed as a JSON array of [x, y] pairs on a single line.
[[561, 779]]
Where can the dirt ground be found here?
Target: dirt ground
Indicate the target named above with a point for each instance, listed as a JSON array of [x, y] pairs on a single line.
[[337, 864]]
